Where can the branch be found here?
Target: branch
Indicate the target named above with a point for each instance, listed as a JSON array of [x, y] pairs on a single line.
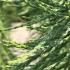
[[12, 27]]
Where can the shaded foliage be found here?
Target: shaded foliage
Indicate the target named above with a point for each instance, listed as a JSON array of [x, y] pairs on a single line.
[[52, 49]]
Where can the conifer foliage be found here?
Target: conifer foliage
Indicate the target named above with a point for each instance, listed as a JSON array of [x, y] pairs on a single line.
[[51, 51]]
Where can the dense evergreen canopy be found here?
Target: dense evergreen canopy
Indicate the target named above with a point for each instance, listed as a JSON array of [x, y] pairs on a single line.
[[51, 51]]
